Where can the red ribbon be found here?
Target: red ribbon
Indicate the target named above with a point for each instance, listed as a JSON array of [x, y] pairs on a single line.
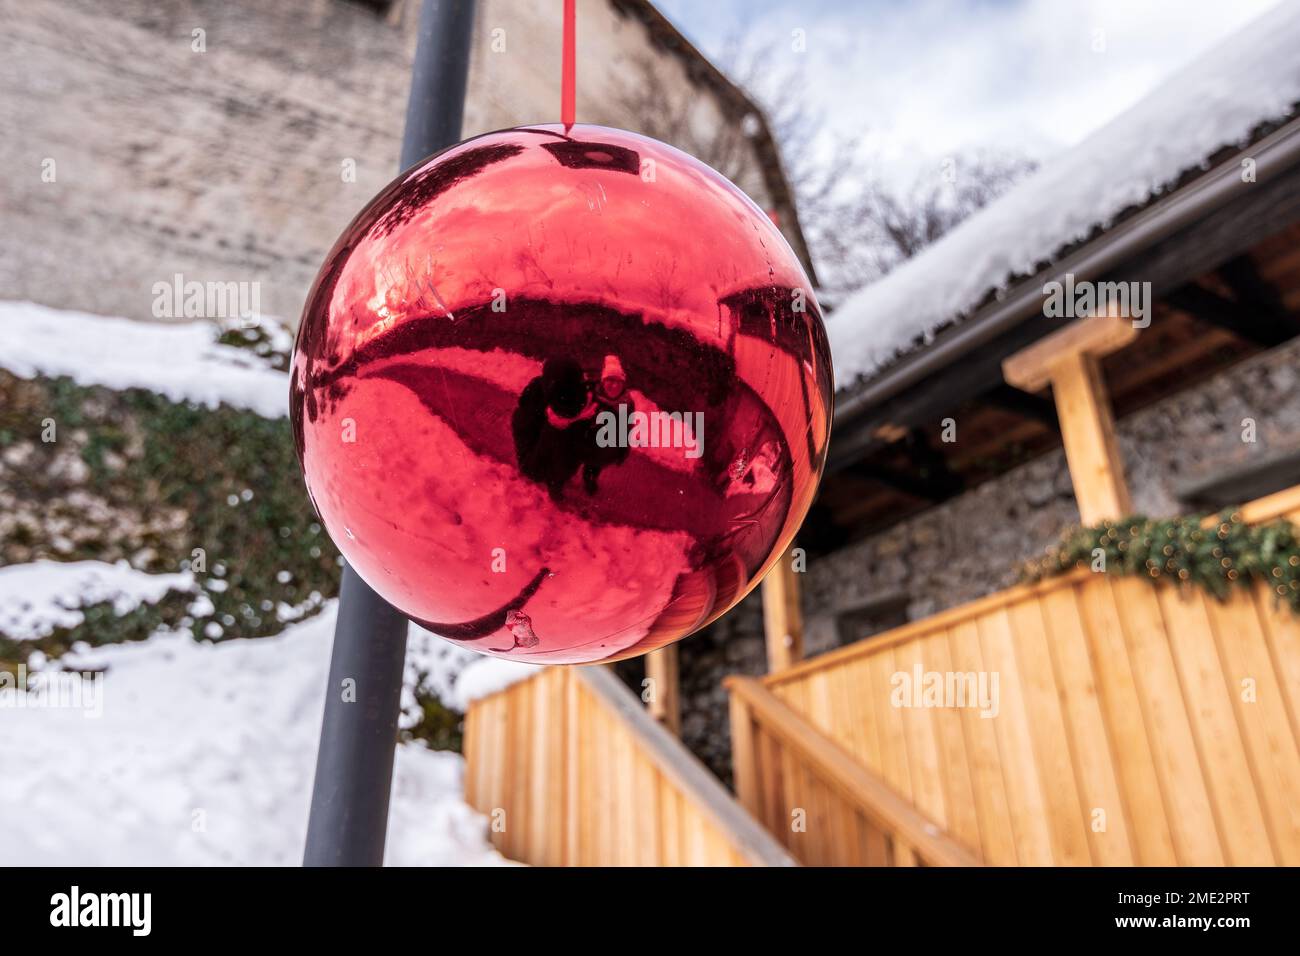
[[568, 64]]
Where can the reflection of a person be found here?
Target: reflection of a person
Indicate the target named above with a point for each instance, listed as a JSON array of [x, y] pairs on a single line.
[[610, 393], [552, 424], [555, 424]]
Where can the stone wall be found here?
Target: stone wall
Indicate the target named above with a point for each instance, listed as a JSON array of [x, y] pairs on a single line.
[[228, 165], [969, 546]]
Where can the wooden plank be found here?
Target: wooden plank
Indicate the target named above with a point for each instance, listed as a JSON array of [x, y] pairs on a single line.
[[839, 770], [1088, 434], [661, 667], [816, 703], [919, 737], [1089, 736], [647, 813], [922, 628], [706, 792], [1182, 780], [602, 804], [557, 735], [1051, 740], [855, 682], [875, 851], [626, 809], [962, 818], [1147, 818], [541, 809], [997, 837], [1266, 728], [894, 763], [1282, 631], [903, 854], [669, 824], [743, 757], [1019, 768], [1282, 504], [1236, 805], [782, 615], [573, 778], [1034, 367], [502, 762]]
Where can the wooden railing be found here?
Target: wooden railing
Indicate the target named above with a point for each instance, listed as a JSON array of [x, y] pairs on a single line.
[[825, 806], [1132, 724], [571, 770]]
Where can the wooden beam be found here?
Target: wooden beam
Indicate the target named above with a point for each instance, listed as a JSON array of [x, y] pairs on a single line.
[[700, 789], [1242, 276], [1025, 404], [844, 772], [782, 616], [1088, 433], [930, 488], [1252, 322], [1031, 368], [1067, 360], [931, 464], [661, 668]]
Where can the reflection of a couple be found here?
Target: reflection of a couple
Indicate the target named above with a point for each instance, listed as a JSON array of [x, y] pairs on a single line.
[[554, 424]]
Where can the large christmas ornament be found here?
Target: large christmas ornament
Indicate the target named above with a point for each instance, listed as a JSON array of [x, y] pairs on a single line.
[[562, 394]]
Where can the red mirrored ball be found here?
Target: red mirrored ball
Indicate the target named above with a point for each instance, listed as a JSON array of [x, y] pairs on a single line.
[[562, 396]]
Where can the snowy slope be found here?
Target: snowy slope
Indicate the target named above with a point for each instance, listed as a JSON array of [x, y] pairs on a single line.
[[204, 754], [180, 360], [1251, 77], [36, 598]]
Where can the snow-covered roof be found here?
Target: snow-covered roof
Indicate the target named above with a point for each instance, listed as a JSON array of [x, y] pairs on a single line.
[[1218, 100]]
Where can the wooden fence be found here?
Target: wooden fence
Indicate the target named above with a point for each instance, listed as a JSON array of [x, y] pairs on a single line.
[[1135, 724], [825, 807], [571, 770]]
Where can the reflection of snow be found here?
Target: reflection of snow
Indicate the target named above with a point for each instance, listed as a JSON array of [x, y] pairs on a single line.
[[756, 476]]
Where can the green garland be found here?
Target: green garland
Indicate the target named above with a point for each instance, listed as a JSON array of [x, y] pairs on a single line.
[[1187, 550]]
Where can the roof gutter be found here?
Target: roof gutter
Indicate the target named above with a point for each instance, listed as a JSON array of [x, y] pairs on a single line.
[[1273, 155]]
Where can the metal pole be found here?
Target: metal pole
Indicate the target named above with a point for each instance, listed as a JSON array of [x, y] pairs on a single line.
[[354, 766]]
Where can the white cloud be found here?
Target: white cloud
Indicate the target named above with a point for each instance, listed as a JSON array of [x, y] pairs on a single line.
[[926, 78]]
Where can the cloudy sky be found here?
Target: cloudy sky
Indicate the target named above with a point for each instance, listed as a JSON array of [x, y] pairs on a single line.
[[936, 76]]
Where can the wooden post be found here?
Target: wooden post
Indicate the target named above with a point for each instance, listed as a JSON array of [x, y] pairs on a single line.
[[665, 700], [782, 616], [744, 761], [1067, 360]]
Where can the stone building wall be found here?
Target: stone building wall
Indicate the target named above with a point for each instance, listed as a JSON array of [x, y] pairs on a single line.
[[969, 547], [228, 165]]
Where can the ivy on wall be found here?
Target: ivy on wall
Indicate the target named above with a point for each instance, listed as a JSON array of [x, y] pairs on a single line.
[[1215, 555]]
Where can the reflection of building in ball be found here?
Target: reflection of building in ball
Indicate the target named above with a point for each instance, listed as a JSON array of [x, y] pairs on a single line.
[[563, 398]]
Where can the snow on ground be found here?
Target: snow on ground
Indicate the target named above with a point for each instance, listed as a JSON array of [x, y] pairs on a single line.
[[181, 360], [1218, 99], [484, 677], [36, 598], [204, 754]]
